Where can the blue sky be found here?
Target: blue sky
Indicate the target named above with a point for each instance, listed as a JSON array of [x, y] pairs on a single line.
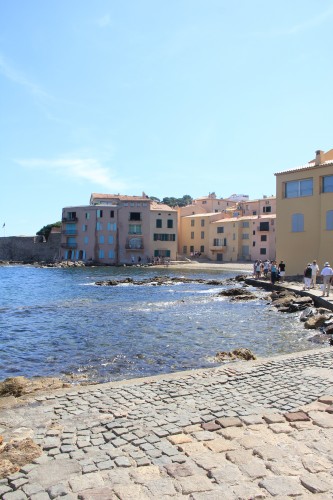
[[167, 97]]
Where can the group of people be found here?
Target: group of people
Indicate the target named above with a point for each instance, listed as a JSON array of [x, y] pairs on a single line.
[[264, 268], [276, 272], [310, 277]]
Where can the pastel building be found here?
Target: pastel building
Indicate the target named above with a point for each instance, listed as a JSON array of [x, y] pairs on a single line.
[[304, 198], [119, 229], [236, 229]]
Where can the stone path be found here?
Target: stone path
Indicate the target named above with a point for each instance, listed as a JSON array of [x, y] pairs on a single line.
[[233, 432]]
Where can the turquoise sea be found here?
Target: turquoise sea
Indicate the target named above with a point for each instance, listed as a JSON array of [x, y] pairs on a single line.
[[56, 321]]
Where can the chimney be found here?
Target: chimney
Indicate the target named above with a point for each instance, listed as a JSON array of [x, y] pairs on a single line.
[[319, 157]]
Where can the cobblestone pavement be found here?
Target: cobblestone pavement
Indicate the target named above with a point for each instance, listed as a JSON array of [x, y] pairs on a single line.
[[248, 430]]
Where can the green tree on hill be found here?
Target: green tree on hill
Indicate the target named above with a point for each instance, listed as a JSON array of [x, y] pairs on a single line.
[[45, 231]]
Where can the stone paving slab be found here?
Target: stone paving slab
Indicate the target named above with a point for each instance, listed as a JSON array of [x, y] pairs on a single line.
[[259, 429]]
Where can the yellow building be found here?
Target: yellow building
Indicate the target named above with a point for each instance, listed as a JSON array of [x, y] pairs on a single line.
[[304, 207]]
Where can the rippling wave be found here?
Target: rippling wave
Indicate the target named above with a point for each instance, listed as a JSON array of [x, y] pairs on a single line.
[[56, 322]]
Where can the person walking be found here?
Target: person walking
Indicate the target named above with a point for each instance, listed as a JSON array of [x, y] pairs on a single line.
[[307, 277], [327, 274], [282, 270], [315, 272]]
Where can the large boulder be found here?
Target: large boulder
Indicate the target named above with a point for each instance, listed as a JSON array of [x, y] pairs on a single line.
[[307, 313], [19, 386], [316, 321]]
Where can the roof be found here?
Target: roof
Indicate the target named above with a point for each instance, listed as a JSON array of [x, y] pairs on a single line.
[[209, 214], [328, 160], [245, 217], [162, 207]]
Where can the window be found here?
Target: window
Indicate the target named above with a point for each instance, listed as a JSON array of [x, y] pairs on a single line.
[[112, 214], [111, 254], [99, 226], [101, 239], [202, 235], [245, 224], [170, 224], [202, 222], [202, 248], [297, 223], [262, 251], [99, 214], [254, 212], [86, 240], [112, 226], [327, 186], [329, 220], [164, 237], [217, 242], [158, 223], [267, 210], [192, 235], [264, 226], [111, 239], [87, 215], [84, 227], [220, 229], [135, 216], [253, 232], [101, 254], [254, 244], [134, 229], [185, 249], [263, 237], [192, 222], [245, 236], [233, 236], [71, 216], [297, 189], [191, 249]]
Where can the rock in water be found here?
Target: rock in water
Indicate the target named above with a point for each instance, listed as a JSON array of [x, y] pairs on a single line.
[[240, 353]]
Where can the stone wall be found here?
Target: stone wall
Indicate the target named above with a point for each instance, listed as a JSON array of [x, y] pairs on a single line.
[[30, 248]]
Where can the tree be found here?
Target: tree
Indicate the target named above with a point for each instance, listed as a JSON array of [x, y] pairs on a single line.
[[180, 202], [45, 231]]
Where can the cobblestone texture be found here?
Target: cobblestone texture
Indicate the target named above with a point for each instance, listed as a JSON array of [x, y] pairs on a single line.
[[249, 430]]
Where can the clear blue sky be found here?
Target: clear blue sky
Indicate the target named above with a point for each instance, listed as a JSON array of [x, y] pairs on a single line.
[[168, 97]]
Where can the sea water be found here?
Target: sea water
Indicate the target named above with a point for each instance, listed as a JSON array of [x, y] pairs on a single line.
[[55, 322]]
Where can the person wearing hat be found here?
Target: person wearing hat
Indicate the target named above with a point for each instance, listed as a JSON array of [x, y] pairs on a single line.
[[327, 274]]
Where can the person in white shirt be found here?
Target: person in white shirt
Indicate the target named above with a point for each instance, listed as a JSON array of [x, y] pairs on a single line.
[[315, 272], [327, 274]]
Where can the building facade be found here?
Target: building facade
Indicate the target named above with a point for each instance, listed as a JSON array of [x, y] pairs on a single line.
[[117, 229], [236, 229], [305, 213]]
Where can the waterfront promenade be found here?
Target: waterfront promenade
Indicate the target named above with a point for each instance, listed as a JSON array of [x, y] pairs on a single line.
[[233, 432]]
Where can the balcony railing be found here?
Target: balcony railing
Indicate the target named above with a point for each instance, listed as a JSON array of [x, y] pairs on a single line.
[[69, 219], [69, 232], [68, 245], [132, 248]]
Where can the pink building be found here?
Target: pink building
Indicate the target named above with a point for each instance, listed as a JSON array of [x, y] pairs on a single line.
[[119, 229]]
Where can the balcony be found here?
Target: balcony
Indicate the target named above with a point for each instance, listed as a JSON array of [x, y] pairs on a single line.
[[133, 248], [70, 232], [218, 248], [69, 219], [68, 245]]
